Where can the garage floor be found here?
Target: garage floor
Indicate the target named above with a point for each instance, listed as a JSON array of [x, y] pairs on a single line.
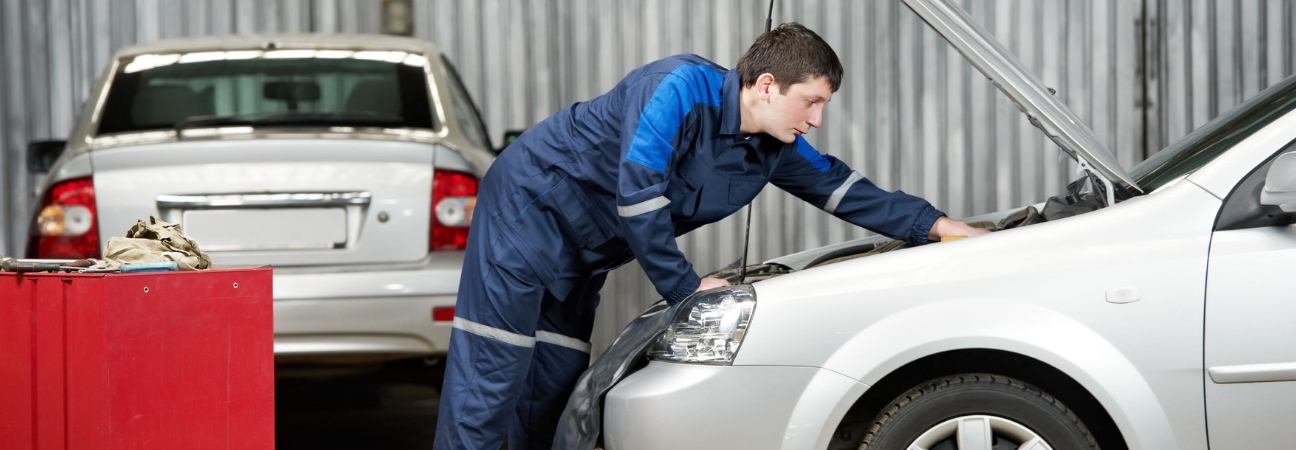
[[354, 415]]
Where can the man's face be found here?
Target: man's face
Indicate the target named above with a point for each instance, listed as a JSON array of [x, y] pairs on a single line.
[[796, 112]]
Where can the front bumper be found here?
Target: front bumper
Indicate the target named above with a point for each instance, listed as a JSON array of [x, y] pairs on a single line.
[[685, 406], [362, 316]]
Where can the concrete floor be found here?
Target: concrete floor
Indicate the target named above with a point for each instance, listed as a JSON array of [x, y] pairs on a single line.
[[354, 415]]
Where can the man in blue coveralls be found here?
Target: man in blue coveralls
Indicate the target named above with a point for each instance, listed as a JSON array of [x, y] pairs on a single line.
[[677, 144]]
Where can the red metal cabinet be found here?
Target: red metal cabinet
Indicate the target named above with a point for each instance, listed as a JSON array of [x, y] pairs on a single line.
[[137, 361]]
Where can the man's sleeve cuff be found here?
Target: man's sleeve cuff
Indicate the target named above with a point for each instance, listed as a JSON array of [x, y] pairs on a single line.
[[922, 227], [685, 288]]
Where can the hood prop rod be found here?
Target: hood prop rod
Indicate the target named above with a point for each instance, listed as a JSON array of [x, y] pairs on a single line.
[[742, 271]]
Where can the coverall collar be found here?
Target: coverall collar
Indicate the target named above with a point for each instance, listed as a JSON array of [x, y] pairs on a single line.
[[730, 99]]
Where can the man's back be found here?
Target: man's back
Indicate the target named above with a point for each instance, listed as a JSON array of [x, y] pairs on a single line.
[[584, 140]]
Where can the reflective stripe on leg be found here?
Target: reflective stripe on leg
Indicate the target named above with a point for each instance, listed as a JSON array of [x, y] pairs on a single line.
[[494, 333], [563, 341]]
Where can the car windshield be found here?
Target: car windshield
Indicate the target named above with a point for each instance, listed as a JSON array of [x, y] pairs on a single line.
[[269, 88], [1210, 140]]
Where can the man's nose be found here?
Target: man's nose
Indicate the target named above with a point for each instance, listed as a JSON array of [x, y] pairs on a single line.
[[816, 118]]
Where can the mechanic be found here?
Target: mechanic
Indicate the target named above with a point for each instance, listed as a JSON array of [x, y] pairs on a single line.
[[677, 144]]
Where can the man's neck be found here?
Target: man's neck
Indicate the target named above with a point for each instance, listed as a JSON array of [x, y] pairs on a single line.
[[747, 102]]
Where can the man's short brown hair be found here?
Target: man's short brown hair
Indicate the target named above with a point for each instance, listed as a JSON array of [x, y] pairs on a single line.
[[793, 54]]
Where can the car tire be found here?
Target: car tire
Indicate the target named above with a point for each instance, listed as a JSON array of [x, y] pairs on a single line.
[[936, 414]]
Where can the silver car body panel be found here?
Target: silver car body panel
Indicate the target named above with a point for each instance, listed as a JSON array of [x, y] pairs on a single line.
[[373, 309], [1005, 292], [72, 167], [799, 260], [794, 401], [169, 180], [380, 312], [1250, 352], [280, 42], [1030, 95]]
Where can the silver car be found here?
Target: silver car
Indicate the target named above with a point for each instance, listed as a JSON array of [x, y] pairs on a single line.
[[1148, 309], [348, 163]]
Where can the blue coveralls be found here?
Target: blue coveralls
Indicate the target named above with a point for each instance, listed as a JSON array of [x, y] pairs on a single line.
[[598, 184]]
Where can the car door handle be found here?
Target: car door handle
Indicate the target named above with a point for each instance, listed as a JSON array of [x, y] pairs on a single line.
[[1253, 373]]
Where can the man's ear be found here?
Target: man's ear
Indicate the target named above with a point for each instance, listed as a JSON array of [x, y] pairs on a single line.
[[765, 85]]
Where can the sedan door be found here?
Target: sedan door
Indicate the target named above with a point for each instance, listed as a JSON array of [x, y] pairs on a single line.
[[1250, 336]]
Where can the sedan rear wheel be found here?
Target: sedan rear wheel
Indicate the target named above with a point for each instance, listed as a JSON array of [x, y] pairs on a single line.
[[977, 412]]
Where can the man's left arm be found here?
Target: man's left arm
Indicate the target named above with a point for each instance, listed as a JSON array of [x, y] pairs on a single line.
[[826, 182]]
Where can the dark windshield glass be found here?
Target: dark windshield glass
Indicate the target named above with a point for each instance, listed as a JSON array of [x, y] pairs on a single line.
[[283, 88], [1204, 144]]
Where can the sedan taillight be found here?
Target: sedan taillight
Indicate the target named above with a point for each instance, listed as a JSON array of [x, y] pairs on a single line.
[[454, 195], [65, 226]]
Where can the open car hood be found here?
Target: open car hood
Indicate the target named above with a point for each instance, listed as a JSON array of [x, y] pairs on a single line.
[[1030, 95]]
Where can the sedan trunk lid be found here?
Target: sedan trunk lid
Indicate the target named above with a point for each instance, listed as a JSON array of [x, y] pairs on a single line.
[[286, 202]]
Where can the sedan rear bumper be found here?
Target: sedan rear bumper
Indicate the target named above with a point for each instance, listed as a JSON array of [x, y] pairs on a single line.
[[673, 406], [362, 316]]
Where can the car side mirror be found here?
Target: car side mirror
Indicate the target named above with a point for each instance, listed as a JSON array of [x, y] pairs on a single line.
[[1280, 183], [509, 137], [42, 154]]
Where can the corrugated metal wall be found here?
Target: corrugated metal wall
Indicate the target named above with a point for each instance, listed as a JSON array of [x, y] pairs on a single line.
[[1214, 55], [911, 115]]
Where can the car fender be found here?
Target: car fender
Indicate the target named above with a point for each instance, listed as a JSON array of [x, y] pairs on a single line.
[[823, 401], [1031, 330], [72, 167]]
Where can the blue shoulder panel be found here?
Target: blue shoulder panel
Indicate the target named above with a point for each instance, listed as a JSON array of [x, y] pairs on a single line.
[[813, 156], [679, 91]]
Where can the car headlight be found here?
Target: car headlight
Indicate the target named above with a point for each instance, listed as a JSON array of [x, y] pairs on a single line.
[[707, 327]]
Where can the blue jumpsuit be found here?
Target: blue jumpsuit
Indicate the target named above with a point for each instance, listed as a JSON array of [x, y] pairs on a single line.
[[594, 186]]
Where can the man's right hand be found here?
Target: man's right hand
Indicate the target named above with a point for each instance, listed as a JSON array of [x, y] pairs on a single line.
[[946, 226], [711, 282]]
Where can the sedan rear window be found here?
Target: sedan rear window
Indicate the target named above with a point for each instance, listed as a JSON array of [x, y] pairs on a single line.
[[305, 88]]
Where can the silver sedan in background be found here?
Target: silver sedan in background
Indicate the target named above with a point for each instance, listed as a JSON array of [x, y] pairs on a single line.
[[349, 163]]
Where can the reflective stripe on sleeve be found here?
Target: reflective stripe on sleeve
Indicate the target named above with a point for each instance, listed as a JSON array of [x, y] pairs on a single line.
[[645, 206], [563, 341], [494, 333], [840, 193]]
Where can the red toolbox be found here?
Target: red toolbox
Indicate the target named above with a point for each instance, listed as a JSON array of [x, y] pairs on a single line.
[[170, 360]]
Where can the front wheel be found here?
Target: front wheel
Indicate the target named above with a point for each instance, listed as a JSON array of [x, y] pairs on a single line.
[[977, 412]]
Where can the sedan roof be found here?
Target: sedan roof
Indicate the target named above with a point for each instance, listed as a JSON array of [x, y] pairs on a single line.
[[282, 41]]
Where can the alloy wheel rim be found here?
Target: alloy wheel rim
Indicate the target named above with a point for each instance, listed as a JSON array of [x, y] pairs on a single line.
[[978, 432]]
